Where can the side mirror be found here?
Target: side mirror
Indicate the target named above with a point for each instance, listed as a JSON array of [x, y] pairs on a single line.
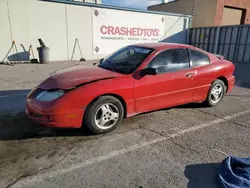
[[148, 71], [100, 62]]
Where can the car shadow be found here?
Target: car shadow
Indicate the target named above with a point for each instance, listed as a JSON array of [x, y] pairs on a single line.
[[238, 95], [184, 106], [12, 101], [241, 74], [15, 125], [202, 175], [192, 105], [18, 126]]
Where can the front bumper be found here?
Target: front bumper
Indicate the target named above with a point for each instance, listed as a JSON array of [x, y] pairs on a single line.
[[43, 113]]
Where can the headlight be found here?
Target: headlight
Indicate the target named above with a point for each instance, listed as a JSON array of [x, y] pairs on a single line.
[[49, 95]]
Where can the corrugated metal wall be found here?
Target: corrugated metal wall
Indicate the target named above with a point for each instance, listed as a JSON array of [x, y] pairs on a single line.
[[203, 38], [233, 42]]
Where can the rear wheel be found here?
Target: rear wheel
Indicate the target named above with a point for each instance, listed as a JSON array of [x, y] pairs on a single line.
[[216, 93], [104, 115]]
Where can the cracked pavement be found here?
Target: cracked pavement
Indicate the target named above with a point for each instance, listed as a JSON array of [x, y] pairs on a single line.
[[177, 147]]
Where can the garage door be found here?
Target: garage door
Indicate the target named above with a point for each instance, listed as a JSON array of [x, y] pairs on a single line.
[[231, 16]]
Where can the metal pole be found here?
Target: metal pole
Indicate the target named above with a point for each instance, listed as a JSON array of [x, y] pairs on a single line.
[[190, 22], [194, 8], [73, 50], [217, 37], [13, 43], [187, 30]]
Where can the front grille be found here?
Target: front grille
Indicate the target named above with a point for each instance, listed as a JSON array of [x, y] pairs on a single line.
[[35, 115], [35, 93]]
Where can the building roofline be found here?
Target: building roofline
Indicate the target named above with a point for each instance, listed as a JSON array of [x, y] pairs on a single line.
[[157, 5], [170, 2], [70, 2]]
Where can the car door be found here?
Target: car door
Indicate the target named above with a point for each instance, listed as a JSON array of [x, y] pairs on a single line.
[[206, 73], [172, 85]]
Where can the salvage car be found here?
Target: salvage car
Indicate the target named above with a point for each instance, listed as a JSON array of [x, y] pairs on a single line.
[[133, 80]]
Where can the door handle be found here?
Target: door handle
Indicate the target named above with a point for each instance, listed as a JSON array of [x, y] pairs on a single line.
[[190, 75]]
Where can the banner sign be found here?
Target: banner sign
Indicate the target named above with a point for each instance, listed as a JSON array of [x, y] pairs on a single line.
[[113, 29]]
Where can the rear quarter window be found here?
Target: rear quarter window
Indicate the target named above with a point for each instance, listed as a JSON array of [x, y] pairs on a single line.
[[198, 58]]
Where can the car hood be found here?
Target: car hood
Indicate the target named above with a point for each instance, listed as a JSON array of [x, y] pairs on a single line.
[[71, 77]]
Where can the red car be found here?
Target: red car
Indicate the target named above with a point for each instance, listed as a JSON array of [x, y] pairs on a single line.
[[135, 79]]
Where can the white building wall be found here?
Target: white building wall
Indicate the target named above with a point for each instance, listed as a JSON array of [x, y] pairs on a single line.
[[47, 21], [57, 24], [80, 27], [31, 20], [176, 29], [5, 34]]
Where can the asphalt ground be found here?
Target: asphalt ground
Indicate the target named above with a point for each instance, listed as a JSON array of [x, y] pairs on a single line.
[[177, 147]]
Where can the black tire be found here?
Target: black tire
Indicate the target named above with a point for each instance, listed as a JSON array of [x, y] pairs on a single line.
[[89, 117], [209, 102]]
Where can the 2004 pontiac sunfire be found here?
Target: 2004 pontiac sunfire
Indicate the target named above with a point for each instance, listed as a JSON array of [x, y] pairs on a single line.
[[135, 79]]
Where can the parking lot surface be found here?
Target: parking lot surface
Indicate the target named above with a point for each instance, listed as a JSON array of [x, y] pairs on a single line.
[[176, 147]]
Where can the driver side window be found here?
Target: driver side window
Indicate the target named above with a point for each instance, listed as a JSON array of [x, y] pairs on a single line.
[[170, 61]]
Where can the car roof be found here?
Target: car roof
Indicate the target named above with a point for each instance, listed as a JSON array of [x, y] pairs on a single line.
[[162, 45]]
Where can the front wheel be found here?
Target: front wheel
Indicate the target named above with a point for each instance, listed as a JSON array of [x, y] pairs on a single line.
[[104, 115], [216, 93]]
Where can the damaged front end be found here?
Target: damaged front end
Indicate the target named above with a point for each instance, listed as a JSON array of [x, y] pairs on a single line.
[[92, 81], [46, 95]]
